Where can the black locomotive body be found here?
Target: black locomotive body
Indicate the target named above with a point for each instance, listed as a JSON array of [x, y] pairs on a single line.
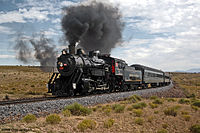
[[82, 74]]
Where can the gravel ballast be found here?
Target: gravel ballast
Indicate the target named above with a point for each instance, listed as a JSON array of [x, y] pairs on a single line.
[[17, 111]]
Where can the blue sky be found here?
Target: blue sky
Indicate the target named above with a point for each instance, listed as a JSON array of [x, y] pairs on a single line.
[[164, 34]]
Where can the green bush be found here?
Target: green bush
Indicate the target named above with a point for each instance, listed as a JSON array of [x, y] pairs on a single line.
[[53, 119], [129, 108], [139, 121], [137, 112], [186, 117], [184, 112], [171, 100], [184, 101], [78, 109], [152, 105], [171, 111], [164, 125], [196, 103], [156, 112], [153, 97], [108, 123], [150, 118], [118, 108], [139, 105], [66, 113], [194, 107], [195, 128], [29, 118], [157, 101], [162, 131], [134, 98], [85, 124]]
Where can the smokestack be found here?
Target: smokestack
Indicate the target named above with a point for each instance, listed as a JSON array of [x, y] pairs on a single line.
[[72, 49]]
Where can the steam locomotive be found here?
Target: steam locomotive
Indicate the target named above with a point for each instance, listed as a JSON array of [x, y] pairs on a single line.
[[81, 74]]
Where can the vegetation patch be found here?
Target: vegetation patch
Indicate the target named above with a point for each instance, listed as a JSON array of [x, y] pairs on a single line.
[[171, 111], [171, 99], [195, 128], [53, 119], [153, 106], [165, 125], [86, 124], [139, 105], [158, 101], [186, 117], [153, 97], [139, 121], [118, 108], [184, 101], [66, 113], [109, 123], [134, 98], [29, 118], [196, 103], [137, 112], [78, 109]]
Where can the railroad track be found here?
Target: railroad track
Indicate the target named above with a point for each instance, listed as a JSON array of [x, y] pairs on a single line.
[[26, 100], [39, 99]]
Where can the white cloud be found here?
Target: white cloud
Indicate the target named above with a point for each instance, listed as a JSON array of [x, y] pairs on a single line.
[[6, 56], [6, 30]]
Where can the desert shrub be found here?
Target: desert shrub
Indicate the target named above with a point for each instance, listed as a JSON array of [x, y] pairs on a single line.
[[152, 105], [139, 121], [165, 125], [66, 113], [85, 124], [162, 131], [186, 117], [78, 109], [118, 108], [171, 100], [195, 128], [150, 118], [107, 111], [157, 101], [29, 118], [196, 103], [184, 101], [194, 107], [137, 112], [129, 108], [94, 109], [156, 112], [184, 112], [171, 111], [134, 98], [53, 119], [153, 97], [108, 123], [139, 105]]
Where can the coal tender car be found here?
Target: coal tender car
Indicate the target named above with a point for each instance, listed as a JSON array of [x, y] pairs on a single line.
[[81, 74]]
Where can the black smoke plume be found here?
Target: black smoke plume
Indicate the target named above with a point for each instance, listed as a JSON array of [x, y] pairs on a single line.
[[95, 25], [36, 48]]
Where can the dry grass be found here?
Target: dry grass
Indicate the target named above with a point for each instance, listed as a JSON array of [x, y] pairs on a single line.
[[189, 82], [22, 81]]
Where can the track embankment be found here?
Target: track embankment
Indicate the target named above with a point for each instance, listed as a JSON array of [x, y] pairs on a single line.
[[17, 111]]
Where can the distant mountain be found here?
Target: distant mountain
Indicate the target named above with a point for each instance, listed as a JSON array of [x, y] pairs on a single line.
[[193, 70]]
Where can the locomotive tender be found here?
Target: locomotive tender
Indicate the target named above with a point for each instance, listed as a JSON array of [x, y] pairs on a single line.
[[83, 74]]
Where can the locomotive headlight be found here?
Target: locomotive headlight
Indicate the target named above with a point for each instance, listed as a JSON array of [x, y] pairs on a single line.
[[61, 64]]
